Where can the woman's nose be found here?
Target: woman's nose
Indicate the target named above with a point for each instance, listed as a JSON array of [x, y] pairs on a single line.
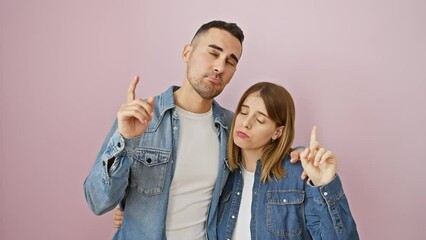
[[246, 124]]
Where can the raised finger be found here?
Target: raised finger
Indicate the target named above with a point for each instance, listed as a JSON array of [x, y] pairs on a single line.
[[313, 135], [313, 150], [131, 91]]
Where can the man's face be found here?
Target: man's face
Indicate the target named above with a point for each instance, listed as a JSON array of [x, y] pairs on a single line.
[[212, 60]]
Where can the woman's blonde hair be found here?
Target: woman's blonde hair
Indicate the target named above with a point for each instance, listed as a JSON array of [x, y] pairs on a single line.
[[280, 108]]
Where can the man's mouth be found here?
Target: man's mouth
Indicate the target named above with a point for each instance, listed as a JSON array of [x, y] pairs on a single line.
[[213, 79]]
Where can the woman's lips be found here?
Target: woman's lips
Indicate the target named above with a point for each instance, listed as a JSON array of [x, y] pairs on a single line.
[[241, 134]]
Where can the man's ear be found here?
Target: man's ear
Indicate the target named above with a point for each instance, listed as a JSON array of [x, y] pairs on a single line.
[[186, 52]]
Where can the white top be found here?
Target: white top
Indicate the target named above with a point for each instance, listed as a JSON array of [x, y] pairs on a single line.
[[196, 169], [242, 227]]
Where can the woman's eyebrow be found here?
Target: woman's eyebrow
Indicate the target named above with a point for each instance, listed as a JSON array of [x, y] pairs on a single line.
[[261, 113]]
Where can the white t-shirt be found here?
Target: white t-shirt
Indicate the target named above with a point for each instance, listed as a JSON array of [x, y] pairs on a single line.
[[196, 169], [242, 227]]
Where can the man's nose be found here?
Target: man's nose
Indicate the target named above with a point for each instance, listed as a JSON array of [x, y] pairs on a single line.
[[219, 66]]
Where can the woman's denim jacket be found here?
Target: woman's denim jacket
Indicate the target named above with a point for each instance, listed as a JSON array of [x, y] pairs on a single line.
[[288, 208], [137, 172]]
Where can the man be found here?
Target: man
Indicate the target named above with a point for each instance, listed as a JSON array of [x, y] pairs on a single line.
[[164, 159]]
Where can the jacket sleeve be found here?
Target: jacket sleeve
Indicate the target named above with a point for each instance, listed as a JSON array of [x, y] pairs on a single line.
[[327, 212], [108, 179]]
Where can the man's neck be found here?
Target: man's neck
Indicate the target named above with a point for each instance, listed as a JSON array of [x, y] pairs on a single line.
[[189, 100]]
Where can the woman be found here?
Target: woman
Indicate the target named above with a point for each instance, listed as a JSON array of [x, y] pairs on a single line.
[[264, 196]]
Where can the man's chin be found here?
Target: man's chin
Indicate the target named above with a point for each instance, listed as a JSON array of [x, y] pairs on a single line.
[[209, 94]]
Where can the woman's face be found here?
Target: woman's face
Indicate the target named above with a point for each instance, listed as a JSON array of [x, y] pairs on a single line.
[[253, 128]]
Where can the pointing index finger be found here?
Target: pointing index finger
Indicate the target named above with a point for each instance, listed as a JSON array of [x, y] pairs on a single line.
[[131, 91], [313, 136]]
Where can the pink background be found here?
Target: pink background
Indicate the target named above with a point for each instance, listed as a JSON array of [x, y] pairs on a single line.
[[355, 68]]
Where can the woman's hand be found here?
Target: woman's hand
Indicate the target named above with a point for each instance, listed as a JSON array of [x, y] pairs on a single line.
[[319, 164]]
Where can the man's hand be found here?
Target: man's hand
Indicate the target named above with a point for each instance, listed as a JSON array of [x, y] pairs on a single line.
[[117, 218], [295, 155], [134, 116], [319, 164]]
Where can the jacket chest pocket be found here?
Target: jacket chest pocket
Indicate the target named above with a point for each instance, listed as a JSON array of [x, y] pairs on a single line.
[[284, 213], [148, 171]]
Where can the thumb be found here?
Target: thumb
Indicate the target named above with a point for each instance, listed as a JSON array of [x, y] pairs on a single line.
[[304, 157], [150, 100]]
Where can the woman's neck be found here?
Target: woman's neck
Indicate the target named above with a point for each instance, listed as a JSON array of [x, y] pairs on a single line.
[[249, 160]]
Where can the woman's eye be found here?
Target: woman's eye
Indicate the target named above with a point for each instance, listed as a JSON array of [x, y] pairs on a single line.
[[243, 111]]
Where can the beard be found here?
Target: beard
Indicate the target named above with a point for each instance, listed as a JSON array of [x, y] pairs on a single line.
[[205, 89]]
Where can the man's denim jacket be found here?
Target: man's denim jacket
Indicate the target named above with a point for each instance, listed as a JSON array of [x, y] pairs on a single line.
[[288, 208], [142, 170]]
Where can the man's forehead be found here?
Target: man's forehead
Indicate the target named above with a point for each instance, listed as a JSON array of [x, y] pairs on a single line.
[[219, 37]]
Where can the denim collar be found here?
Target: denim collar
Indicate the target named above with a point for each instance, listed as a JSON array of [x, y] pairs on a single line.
[[166, 102]]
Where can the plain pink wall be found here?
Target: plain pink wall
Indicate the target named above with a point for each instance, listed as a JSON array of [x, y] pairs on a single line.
[[355, 68]]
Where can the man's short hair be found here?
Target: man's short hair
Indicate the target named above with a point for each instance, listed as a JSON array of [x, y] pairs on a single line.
[[232, 28]]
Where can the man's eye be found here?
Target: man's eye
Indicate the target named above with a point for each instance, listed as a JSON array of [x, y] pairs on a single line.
[[231, 63], [214, 54]]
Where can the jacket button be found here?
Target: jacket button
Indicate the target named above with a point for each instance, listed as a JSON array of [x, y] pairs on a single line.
[[149, 160], [119, 144]]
